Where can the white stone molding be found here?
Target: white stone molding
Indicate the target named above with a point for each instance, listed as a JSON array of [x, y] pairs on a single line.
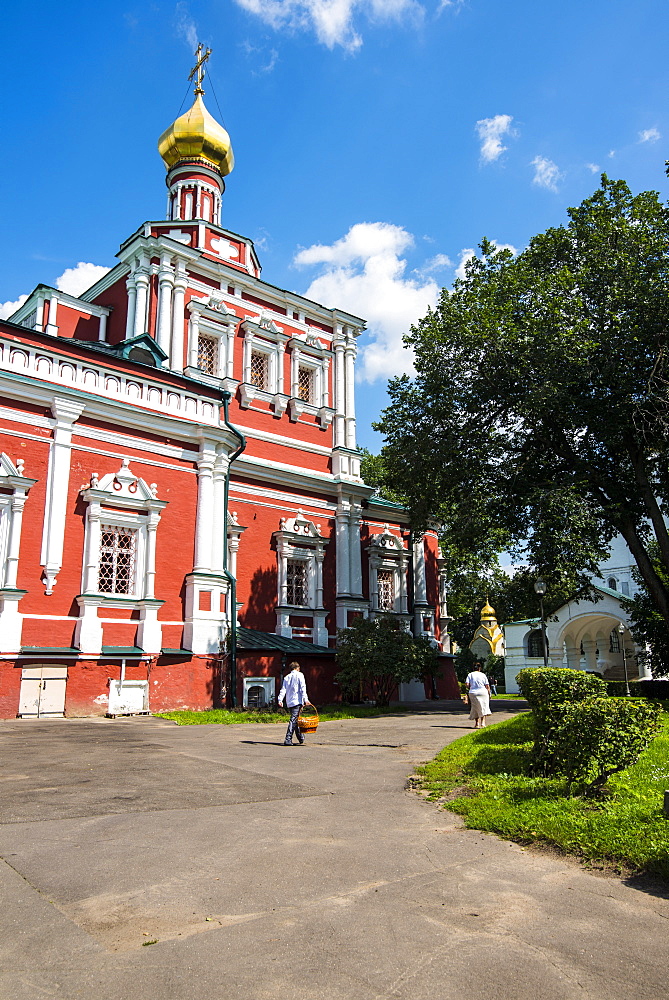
[[301, 540], [65, 411]]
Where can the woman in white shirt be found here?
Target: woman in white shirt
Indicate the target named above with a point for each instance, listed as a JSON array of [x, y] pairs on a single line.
[[478, 689]]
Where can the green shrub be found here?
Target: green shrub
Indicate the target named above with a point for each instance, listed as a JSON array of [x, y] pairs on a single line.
[[639, 689], [591, 740], [546, 688]]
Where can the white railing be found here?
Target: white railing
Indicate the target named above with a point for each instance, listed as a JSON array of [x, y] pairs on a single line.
[[106, 382]]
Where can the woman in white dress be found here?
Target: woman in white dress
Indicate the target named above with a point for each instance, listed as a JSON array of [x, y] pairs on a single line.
[[478, 689]]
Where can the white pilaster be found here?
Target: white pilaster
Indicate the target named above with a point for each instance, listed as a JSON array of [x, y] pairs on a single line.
[[350, 395], [177, 349], [205, 509], [92, 554], [66, 411], [102, 329], [142, 302], [355, 552], [340, 397], [343, 552], [132, 305], [14, 541], [165, 287], [52, 325]]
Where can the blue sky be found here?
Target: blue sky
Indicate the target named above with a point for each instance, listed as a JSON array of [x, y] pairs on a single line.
[[376, 141]]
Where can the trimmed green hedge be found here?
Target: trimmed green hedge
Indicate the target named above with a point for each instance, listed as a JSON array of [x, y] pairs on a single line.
[[578, 731], [639, 689], [547, 688], [594, 739]]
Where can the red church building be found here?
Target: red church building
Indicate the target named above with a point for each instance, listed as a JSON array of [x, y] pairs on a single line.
[[181, 507]]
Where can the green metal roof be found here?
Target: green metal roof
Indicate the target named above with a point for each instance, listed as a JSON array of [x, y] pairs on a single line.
[[248, 638]]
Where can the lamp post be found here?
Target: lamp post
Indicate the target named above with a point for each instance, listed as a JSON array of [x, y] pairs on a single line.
[[621, 631], [540, 590]]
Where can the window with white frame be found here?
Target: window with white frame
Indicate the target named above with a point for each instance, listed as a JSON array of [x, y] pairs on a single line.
[[118, 554], [207, 354], [386, 588], [120, 540], [388, 563], [297, 583]]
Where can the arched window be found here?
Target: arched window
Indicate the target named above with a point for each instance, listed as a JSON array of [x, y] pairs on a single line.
[[612, 584], [256, 696], [614, 641], [535, 643]]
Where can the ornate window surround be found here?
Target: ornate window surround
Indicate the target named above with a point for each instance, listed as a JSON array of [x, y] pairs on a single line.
[[265, 337], [211, 317], [120, 499], [308, 352], [300, 539], [386, 552]]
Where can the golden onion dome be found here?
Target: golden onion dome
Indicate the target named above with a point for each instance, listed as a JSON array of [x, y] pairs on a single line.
[[197, 136], [487, 611]]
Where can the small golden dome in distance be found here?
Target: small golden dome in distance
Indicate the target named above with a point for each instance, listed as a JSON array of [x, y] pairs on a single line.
[[196, 135], [487, 611]]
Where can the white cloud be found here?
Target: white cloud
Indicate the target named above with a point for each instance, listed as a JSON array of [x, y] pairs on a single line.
[[437, 263], [649, 135], [186, 26], [7, 309], [74, 281], [364, 273], [490, 132], [546, 173], [333, 21], [593, 167], [469, 252]]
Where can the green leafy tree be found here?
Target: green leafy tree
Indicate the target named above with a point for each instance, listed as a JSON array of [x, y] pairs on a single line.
[[538, 420], [647, 625], [374, 473], [375, 655]]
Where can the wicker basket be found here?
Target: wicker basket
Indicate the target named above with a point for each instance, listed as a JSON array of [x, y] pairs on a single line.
[[308, 723]]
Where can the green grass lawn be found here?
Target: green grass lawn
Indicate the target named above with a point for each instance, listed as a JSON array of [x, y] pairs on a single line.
[[223, 716], [483, 776]]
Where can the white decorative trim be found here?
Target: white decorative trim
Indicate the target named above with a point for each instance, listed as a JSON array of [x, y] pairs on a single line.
[[300, 539]]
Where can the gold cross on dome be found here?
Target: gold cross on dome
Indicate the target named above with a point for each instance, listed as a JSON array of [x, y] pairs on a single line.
[[198, 70]]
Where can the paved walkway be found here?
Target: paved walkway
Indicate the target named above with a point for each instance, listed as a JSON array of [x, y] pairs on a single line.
[[266, 872]]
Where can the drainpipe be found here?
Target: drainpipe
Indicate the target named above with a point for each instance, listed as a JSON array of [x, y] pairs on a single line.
[[232, 583]]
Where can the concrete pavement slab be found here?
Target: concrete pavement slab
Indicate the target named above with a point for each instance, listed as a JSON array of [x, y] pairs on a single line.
[[262, 870]]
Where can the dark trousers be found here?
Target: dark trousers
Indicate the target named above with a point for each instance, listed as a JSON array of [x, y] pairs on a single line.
[[292, 725]]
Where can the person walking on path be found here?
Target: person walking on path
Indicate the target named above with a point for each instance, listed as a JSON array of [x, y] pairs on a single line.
[[478, 689], [294, 690]]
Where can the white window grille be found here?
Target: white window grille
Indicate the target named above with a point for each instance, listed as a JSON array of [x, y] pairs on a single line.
[[259, 370], [207, 355], [386, 583], [297, 588], [118, 550], [305, 384]]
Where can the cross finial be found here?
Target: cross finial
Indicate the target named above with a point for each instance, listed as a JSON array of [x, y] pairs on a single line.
[[198, 70]]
